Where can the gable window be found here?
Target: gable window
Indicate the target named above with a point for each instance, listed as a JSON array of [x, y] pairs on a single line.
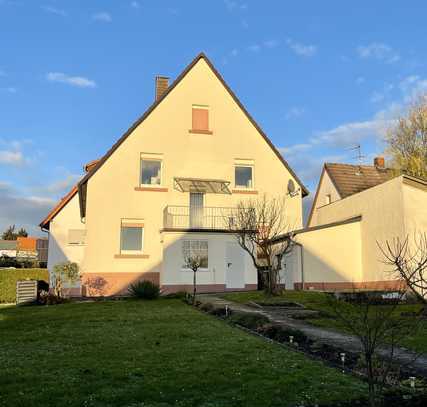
[[151, 172], [328, 199], [76, 237], [243, 176], [200, 119], [195, 249], [131, 237]]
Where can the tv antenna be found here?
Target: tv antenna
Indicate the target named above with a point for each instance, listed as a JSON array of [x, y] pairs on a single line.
[[359, 156]]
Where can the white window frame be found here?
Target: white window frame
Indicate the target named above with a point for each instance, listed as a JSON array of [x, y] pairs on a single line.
[[183, 268], [241, 187], [132, 223], [328, 199], [148, 158]]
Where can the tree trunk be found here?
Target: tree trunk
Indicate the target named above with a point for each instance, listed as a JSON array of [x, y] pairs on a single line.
[[194, 287]]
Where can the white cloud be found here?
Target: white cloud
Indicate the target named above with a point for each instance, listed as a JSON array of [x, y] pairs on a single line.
[[78, 81], [254, 48], [232, 5], [58, 187], [296, 148], [412, 87], [135, 4], [378, 51], [9, 157], [301, 49], [54, 10], [294, 112], [103, 17]]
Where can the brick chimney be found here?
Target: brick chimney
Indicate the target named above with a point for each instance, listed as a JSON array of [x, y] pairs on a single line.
[[379, 162], [162, 84]]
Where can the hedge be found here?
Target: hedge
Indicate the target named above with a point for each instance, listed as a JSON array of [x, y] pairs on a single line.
[[9, 277]]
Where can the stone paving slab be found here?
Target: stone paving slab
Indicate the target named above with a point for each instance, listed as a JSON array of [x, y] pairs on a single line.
[[346, 342]]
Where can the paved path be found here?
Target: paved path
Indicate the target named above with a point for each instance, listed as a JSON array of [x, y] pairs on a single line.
[[342, 341]]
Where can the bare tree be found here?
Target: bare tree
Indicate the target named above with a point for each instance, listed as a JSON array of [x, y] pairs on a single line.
[[195, 257], [379, 328], [407, 140], [408, 261], [257, 224]]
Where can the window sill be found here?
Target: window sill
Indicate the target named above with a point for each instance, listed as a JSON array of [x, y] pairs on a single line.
[[131, 256], [189, 270], [194, 131], [245, 191], [152, 189]]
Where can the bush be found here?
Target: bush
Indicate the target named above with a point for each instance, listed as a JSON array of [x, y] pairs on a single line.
[[9, 277], [144, 289], [46, 298], [179, 295], [249, 320], [282, 334]]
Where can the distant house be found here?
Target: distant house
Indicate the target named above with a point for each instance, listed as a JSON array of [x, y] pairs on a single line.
[[26, 247], [355, 209], [8, 248], [42, 247]]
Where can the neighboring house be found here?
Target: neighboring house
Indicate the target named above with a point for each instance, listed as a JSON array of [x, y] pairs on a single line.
[[8, 248], [356, 208], [168, 188], [26, 247]]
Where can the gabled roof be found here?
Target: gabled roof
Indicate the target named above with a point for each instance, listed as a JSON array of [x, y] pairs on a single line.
[[44, 224], [82, 185], [350, 179]]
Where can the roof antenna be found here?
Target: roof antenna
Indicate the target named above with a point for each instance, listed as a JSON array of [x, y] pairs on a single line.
[[359, 157]]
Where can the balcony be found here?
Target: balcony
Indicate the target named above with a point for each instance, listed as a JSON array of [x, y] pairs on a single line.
[[198, 217]]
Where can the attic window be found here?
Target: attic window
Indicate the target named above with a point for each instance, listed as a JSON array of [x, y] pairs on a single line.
[[200, 119], [328, 199]]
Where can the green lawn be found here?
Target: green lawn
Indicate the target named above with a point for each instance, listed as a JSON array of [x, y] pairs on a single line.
[[317, 301], [154, 353]]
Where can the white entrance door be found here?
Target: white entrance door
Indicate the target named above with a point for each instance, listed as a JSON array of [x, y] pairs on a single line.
[[235, 266]]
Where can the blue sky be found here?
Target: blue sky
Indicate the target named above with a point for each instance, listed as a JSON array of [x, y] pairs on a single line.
[[319, 77]]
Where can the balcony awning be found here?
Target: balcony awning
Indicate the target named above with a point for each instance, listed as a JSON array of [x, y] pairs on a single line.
[[213, 186]]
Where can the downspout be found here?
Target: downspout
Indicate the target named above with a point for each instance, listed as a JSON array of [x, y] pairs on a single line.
[[302, 263]]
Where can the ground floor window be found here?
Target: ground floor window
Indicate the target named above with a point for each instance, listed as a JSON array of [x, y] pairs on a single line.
[[131, 237], [196, 248]]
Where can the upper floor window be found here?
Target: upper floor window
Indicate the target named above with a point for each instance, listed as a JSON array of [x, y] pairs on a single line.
[[200, 119], [131, 237], [151, 172], [243, 176]]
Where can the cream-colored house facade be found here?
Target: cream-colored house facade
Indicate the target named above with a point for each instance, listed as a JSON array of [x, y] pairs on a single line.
[[356, 209], [167, 188]]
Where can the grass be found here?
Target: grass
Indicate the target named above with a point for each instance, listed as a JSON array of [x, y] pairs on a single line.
[[153, 353], [317, 301]]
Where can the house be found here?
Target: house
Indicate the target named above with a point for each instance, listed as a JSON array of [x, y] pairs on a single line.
[[26, 247], [8, 248], [167, 188], [356, 209]]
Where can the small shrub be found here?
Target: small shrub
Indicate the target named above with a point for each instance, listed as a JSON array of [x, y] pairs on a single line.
[[46, 298], [282, 334], [144, 289], [249, 320]]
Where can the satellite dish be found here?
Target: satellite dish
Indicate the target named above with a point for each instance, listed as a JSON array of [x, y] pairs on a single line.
[[292, 191]]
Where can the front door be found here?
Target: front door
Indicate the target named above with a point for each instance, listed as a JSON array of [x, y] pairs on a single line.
[[196, 209], [235, 266]]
